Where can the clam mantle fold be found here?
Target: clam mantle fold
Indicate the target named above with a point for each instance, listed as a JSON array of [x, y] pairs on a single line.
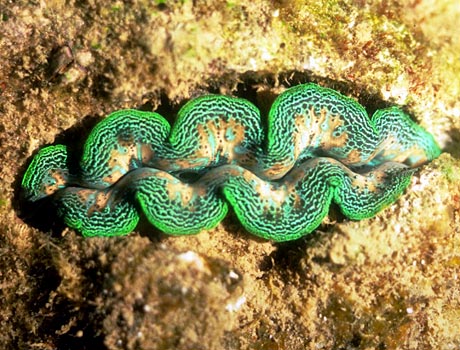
[[316, 148]]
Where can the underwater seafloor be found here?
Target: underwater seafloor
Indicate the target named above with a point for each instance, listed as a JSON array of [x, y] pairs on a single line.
[[391, 282]]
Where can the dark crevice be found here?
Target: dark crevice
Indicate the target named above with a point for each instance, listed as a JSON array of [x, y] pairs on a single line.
[[249, 85]]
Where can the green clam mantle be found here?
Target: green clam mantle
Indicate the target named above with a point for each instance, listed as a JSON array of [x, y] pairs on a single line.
[[318, 147]]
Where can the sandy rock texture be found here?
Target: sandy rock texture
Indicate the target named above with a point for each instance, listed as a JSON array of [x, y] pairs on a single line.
[[391, 282]]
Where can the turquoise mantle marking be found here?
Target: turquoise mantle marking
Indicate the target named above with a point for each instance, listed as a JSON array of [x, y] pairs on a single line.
[[319, 147]]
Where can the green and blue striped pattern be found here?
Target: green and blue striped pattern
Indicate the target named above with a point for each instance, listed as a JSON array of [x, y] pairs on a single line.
[[318, 147]]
